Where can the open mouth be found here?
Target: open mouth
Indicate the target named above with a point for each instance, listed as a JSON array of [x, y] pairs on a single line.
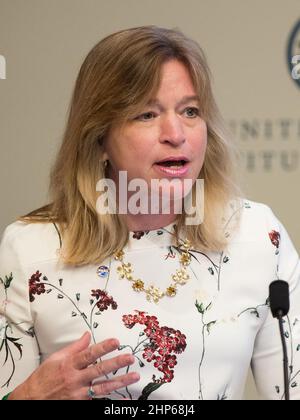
[[173, 164], [173, 168]]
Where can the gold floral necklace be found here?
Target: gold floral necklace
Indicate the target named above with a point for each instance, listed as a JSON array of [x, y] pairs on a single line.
[[181, 276]]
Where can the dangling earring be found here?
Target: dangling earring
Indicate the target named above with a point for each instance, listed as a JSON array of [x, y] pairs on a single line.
[[105, 164]]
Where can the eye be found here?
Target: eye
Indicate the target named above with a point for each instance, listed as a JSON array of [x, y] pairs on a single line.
[[192, 112], [146, 116]]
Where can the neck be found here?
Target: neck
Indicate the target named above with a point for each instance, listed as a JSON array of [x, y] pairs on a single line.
[[143, 222]]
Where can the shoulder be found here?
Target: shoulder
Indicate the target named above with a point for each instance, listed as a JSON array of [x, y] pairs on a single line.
[[254, 212], [31, 242], [256, 221]]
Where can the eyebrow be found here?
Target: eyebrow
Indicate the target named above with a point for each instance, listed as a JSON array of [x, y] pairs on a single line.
[[182, 101]]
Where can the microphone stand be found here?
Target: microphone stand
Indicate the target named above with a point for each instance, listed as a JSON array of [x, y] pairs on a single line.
[[285, 357]]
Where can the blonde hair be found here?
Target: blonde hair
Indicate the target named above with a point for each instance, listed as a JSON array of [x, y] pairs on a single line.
[[118, 77]]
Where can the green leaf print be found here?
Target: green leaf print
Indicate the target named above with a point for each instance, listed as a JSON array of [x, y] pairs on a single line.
[[151, 387]]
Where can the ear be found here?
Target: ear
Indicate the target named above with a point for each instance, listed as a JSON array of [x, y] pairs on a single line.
[[105, 156], [102, 148]]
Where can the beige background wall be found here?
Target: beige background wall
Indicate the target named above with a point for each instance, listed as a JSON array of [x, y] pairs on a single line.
[[45, 41]]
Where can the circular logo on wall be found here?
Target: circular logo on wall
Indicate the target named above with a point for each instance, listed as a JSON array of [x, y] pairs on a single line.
[[293, 53]]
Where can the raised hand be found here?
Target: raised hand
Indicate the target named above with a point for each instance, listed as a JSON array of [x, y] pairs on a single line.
[[69, 373]]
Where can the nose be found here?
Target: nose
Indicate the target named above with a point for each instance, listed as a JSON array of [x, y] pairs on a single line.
[[171, 130]]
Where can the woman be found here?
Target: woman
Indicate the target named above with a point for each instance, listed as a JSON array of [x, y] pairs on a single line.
[[141, 304]]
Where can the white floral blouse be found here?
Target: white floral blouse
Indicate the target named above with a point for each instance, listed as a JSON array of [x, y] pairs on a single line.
[[198, 344]]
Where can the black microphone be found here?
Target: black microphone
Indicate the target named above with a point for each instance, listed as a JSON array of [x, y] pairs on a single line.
[[280, 306]]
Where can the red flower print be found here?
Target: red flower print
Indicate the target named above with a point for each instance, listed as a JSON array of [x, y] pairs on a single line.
[[129, 321], [138, 234], [275, 238], [169, 375], [151, 321], [171, 361], [152, 333], [181, 345], [140, 318], [104, 301], [149, 354], [162, 342], [35, 286], [164, 348], [160, 363], [173, 342]]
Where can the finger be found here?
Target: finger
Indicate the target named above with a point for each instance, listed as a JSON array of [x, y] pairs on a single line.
[[106, 366], [93, 353], [105, 387]]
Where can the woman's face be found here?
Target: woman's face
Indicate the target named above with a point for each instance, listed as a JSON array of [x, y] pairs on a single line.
[[168, 128]]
